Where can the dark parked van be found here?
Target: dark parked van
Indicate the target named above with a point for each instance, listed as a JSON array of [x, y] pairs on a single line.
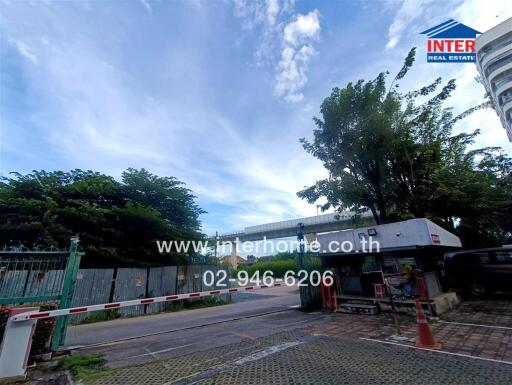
[[480, 271]]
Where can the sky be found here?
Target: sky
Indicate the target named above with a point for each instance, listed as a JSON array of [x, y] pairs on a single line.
[[215, 93]]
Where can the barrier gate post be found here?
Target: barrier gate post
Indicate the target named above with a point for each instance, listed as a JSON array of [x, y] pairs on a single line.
[[16, 344], [68, 288]]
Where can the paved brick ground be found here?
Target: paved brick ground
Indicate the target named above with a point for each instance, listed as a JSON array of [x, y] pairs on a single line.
[[329, 351], [343, 360], [490, 312], [480, 341], [312, 359]]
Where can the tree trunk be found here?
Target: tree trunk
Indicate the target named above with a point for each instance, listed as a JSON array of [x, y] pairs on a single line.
[[375, 214]]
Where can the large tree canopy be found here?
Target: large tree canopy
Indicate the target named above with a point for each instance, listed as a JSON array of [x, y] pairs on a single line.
[[118, 222], [396, 155]]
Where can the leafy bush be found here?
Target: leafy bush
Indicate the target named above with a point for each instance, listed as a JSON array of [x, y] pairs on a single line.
[[102, 315], [118, 221], [4, 316], [196, 304], [44, 331]]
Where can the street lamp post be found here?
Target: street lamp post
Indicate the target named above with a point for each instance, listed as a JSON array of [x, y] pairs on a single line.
[[300, 261]]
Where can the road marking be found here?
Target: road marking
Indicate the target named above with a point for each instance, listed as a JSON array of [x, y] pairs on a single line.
[[437, 351], [266, 352], [150, 353], [216, 370], [478, 325]]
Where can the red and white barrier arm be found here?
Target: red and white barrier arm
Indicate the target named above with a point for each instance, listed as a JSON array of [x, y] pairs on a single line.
[[135, 302]]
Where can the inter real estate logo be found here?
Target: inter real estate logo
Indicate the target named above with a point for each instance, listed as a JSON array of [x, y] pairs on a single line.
[[451, 42]]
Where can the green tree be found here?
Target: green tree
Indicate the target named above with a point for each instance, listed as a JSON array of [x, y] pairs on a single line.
[[118, 222], [394, 153]]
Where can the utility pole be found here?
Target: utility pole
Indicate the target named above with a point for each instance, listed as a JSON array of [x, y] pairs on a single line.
[[300, 238], [216, 241], [300, 261]]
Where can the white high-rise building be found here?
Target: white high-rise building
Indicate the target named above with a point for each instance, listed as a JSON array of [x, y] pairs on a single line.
[[494, 62]]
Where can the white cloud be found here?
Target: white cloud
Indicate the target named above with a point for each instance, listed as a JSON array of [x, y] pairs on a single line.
[[298, 36], [24, 50], [303, 29], [147, 6], [292, 69], [264, 13], [252, 13], [294, 37], [405, 17], [481, 17], [272, 11]]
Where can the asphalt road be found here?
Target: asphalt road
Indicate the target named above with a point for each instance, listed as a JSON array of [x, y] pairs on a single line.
[[140, 339]]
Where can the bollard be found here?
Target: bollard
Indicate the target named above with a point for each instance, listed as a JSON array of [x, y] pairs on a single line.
[[16, 344]]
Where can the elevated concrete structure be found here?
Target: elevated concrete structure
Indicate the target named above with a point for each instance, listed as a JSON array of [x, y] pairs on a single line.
[[312, 225]]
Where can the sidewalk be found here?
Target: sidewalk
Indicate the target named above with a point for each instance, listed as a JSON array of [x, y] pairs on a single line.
[[478, 328]]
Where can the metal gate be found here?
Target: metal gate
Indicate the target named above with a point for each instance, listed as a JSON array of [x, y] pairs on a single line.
[[35, 276]]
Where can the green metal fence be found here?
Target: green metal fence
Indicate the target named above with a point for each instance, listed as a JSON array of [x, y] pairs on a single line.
[[39, 276]]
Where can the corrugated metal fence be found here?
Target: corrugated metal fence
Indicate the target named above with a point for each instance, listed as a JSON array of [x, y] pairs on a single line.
[[96, 286]]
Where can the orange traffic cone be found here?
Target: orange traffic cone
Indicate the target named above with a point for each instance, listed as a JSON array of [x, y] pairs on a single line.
[[424, 338]]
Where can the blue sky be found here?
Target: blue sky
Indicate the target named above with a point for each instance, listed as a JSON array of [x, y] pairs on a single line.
[[215, 93]]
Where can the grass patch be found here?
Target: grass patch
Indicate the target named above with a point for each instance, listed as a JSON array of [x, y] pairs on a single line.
[[100, 316], [107, 315], [195, 304], [86, 367]]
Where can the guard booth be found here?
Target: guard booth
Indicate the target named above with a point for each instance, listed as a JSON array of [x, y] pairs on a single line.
[[389, 265]]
